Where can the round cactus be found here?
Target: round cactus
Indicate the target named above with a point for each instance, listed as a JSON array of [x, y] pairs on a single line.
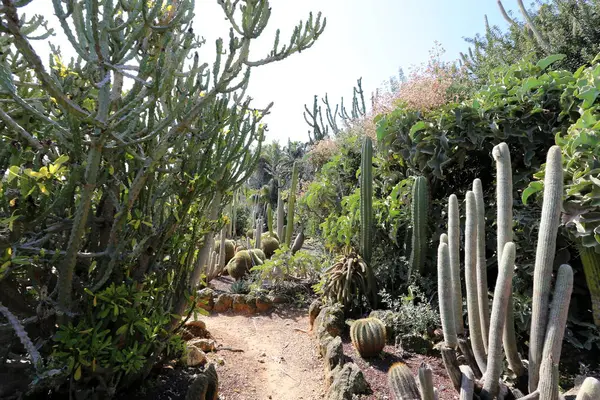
[[240, 264], [229, 249], [368, 336], [261, 254], [256, 260], [270, 234], [269, 245], [402, 383]]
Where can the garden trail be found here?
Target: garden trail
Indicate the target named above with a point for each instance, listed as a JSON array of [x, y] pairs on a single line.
[[278, 361]]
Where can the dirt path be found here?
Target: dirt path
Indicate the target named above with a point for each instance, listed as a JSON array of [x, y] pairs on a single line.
[[278, 362]]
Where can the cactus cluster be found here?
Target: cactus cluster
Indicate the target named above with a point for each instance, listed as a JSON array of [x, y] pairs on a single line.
[[485, 356], [368, 336]]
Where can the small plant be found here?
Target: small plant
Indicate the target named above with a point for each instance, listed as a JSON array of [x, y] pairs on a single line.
[[240, 287], [412, 313], [368, 336]]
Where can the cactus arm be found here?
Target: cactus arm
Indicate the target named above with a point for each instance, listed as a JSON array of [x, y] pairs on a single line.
[[366, 200], [36, 358], [446, 297], [499, 308], [419, 225], [544, 259], [589, 390], [291, 205], [557, 321], [467, 385], [454, 248], [482, 282], [548, 383], [280, 215], [471, 283], [426, 382], [504, 198], [206, 249]]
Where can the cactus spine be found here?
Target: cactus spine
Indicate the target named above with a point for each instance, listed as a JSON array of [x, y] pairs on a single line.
[[453, 238], [366, 200], [291, 205], [368, 336], [280, 215], [446, 297], [402, 383], [544, 259], [499, 311], [419, 225], [482, 283], [504, 221]]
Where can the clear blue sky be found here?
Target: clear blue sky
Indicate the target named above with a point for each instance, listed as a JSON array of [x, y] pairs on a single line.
[[358, 41]]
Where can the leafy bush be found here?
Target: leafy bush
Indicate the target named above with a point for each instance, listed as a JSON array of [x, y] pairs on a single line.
[[284, 265], [413, 314]]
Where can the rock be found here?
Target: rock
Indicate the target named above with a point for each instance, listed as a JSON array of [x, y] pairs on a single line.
[[313, 311], [414, 344], [263, 304], [195, 329], [334, 356], [194, 356], [387, 317], [251, 302], [205, 299], [240, 305], [206, 345], [205, 386], [223, 303], [348, 380], [330, 320]]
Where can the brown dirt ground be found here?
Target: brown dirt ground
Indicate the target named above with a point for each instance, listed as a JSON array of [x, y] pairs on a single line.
[[278, 362]]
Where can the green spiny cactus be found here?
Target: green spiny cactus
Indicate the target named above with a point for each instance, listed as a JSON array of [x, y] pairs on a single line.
[[454, 249], [222, 250], [544, 259], [256, 260], [291, 205], [589, 390], [426, 382], [446, 296], [368, 336], [260, 254], [499, 311], [259, 232], [366, 200], [471, 282], [402, 383], [280, 215], [270, 218], [419, 208], [269, 245], [240, 264], [504, 221], [482, 281], [273, 235]]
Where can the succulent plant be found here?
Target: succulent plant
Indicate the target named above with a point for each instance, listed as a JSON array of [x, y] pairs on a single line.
[[291, 206], [271, 234], [402, 383], [298, 242], [269, 245], [261, 254], [368, 336], [419, 209], [346, 280], [366, 213], [240, 264]]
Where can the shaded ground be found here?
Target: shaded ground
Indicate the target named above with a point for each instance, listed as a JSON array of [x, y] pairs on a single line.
[[375, 371], [278, 361]]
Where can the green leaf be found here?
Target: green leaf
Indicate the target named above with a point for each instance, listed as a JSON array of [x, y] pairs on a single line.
[[551, 59], [533, 187], [419, 126]]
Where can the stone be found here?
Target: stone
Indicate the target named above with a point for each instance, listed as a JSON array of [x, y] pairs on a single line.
[[195, 329], [251, 302], [387, 317], [330, 320], [348, 380], [205, 386], [193, 356], [334, 356], [205, 299], [205, 345], [240, 305], [414, 344], [223, 302], [313, 312], [263, 304]]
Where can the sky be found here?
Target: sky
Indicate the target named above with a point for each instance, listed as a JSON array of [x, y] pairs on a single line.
[[369, 39]]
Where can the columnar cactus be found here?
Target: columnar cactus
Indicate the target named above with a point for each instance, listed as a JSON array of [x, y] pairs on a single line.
[[504, 196], [419, 208], [258, 234], [291, 205], [446, 296], [270, 218], [589, 390], [453, 238], [368, 336], [366, 212], [482, 282], [280, 215]]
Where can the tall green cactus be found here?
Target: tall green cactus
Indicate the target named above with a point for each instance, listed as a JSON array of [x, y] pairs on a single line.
[[280, 215], [446, 295], [453, 238], [291, 205], [544, 260], [419, 209], [270, 218], [366, 200]]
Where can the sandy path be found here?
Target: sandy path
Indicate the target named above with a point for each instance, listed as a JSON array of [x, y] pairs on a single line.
[[278, 362]]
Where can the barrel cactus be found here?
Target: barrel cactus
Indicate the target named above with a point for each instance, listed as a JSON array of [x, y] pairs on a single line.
[[271, 235], [368, 336], [260, 254], [402, 383], [239, 265], [269, 245]]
